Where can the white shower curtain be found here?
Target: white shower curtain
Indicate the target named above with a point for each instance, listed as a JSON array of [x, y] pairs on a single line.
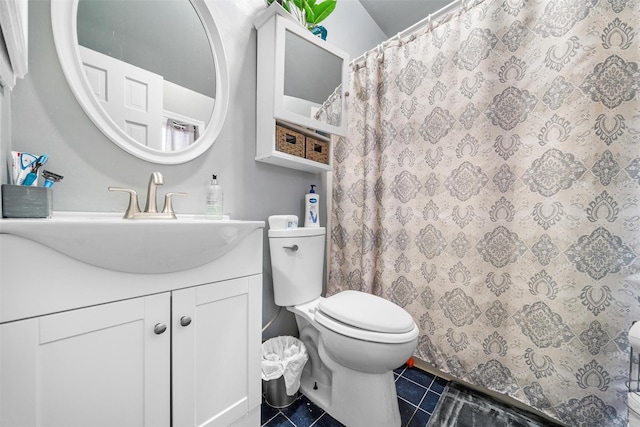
[[490, 185]]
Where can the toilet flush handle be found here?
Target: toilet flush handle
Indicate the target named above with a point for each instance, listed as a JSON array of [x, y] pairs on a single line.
[[291, 248]]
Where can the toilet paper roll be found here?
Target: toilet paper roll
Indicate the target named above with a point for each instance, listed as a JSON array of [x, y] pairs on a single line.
[[634, 337]]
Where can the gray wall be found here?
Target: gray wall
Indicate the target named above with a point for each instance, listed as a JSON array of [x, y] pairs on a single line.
[[45, 118]]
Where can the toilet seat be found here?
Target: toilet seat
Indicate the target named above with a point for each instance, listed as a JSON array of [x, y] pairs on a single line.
[[366, 317]]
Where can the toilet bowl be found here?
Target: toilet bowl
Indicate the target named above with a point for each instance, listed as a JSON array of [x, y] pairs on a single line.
[[354, 339]]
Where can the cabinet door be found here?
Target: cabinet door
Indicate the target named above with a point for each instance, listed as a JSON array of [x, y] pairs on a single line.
[[97, 366], [216, 357]]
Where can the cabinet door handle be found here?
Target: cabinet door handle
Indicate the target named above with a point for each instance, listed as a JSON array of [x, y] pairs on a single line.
[[159, 328], [185, 320]]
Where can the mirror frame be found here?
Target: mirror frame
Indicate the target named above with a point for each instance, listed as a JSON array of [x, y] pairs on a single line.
[[63, 21]]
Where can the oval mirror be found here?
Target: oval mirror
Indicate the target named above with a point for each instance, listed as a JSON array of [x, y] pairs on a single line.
[[157, 87]]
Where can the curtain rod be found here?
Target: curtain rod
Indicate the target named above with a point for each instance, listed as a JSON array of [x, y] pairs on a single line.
[[428, 20]]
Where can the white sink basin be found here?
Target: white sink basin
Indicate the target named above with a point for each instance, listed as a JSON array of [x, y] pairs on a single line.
[[134, 246]]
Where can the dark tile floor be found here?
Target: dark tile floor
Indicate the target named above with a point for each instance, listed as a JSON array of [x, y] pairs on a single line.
[[418, 394]]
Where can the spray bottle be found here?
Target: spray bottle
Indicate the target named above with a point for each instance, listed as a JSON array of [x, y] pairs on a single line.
[[311, 204]]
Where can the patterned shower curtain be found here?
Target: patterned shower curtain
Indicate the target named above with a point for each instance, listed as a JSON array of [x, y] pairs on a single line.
[[489, 184]]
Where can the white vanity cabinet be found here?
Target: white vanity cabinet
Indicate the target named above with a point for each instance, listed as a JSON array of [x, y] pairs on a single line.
[[86, 346], [100, 365], [298, 73], [112, 365], [216, 371]]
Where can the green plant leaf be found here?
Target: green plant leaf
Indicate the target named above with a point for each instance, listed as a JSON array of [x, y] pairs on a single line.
[[310, 14], [322, 10]]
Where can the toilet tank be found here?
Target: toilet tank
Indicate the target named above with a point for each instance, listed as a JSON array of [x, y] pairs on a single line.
[[297, 260]]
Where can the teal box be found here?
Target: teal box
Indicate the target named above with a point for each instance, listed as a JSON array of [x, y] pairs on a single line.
[[19, 201]]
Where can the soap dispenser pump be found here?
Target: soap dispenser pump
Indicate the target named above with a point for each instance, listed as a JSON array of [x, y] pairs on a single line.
[[311, 203], [214, 200]]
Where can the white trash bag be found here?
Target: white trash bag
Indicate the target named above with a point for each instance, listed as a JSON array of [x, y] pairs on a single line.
[[284, 356]]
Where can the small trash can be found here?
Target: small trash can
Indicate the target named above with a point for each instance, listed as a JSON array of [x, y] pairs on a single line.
[[283, 359], [275, 393]]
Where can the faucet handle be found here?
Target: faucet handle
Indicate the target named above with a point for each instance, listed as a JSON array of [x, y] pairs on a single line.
[[168, 202], [133, 207]]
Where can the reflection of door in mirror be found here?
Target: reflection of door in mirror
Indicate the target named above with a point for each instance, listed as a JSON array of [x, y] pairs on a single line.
[[311, 75], [130, 95], [154, 77]]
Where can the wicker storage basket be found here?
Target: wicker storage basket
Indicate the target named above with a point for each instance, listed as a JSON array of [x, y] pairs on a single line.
[[289, 141], [317, 150]]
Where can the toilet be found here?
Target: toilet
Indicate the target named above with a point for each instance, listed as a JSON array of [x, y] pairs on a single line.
[[354, 339]]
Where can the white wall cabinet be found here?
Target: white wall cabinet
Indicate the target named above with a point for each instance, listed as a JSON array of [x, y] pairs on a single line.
[[14, 26], [88, 347], [298, 73]]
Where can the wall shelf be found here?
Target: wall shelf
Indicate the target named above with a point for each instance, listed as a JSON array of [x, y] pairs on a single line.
[[298, 73]]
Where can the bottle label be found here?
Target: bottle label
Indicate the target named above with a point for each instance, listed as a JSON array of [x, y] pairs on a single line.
[[313, 200]]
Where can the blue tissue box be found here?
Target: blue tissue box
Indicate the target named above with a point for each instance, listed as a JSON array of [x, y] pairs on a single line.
[[19, 201]]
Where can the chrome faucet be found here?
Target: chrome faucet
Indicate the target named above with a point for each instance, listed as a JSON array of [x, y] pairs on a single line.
[[151, 208]]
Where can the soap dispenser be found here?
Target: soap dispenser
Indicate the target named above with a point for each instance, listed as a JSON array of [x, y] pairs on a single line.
[[214, 200], [311, 204]]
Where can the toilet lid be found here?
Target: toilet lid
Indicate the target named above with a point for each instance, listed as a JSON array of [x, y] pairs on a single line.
[[334, 325], [368, 312]]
